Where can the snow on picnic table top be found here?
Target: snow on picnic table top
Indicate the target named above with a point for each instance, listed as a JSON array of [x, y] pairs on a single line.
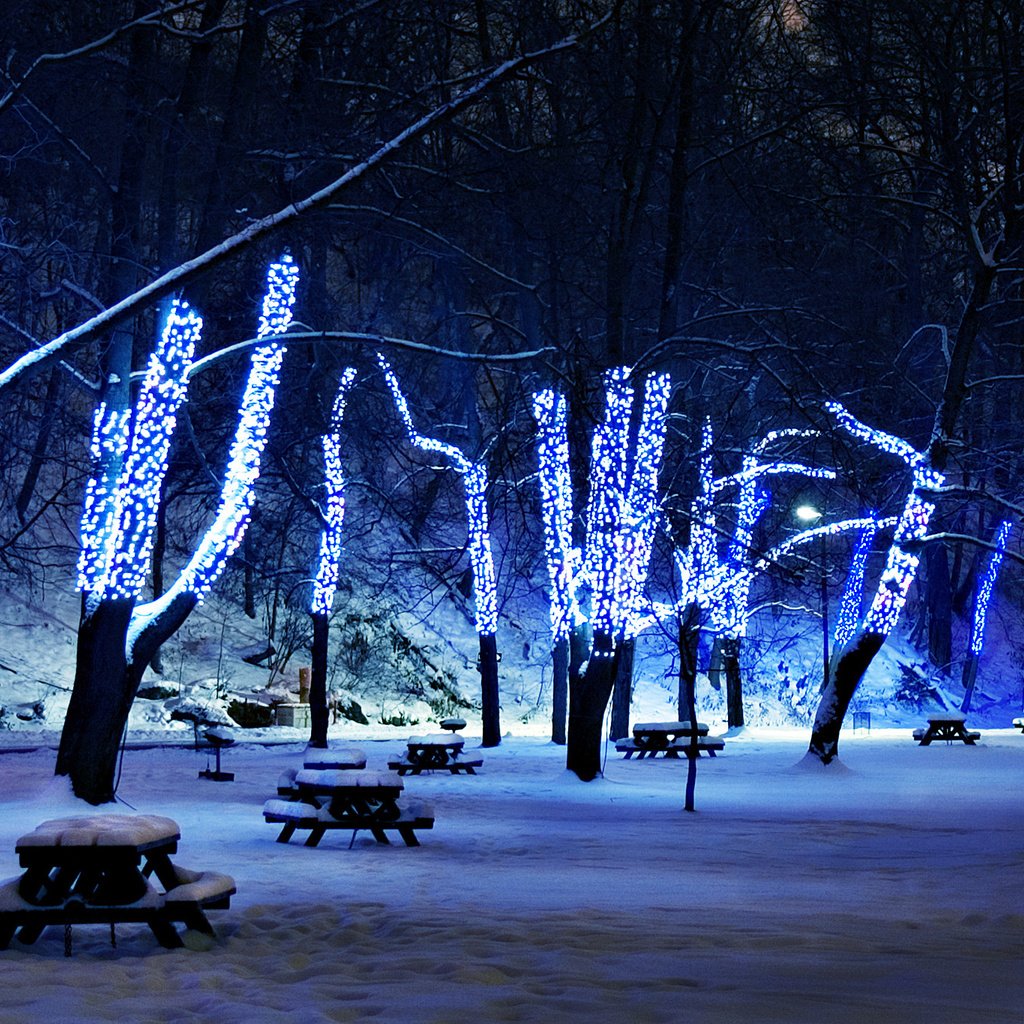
[[348, 778], [102, 830], [948, 716], [436, 739], [314, 756], [665, 726]]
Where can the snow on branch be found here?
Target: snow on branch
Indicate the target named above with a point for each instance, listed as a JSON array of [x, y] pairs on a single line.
[[175, 279]]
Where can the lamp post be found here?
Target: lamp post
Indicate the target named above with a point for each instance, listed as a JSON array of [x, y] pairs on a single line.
[[808, 515]]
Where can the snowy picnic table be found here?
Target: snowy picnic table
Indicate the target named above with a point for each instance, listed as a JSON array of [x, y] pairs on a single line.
[[95, 869], [669, 738], [434, 752], [323, 799], [949, 726]]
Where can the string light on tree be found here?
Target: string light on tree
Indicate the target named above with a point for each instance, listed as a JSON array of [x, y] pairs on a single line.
[[901, 565], [474, 482], [238, 494], [550, 413], [987, 585], [155, 418], [622, 509], [853, 592], [325, 580], [100, 507]]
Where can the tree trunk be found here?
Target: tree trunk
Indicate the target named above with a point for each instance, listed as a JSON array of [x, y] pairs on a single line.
[[689, 639], [843, 681], [715, 667], [318, 715], [733, 681], [689, 634], [622, 693], [970, 677], [559, 690], [104, 688], [489, 695], [588, 700]]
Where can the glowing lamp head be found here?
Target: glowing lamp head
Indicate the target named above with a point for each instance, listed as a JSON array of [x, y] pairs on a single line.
[[807, 514]]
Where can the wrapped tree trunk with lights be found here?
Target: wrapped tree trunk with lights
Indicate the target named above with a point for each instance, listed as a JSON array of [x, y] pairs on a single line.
[[980, 613], [621, 518], [474, 482], [550, 410], [851, 661], [118, 637], [325, 582]]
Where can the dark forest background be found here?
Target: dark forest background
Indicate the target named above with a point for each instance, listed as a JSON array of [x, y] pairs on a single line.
[[780, 202]]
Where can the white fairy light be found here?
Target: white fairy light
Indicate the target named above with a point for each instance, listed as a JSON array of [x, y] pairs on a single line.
[[550, 412], [238, 494], [325, 581], [155, 418], [100, 507], [622, 509]]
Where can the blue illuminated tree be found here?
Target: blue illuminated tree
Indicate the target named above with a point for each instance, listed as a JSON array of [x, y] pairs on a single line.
[[325, 580], [550, 410], [485, 590], [621, 519], [118, 637], [853, 590], [851, 661], [982, 599]]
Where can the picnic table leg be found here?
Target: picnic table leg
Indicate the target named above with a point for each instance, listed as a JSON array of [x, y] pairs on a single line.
[[315, 835], [28, 933], [408, 833], [165, 932], [380, 835], [286, 833]]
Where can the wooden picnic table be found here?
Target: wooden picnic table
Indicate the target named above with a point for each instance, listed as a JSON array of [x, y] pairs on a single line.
[[949, 726], [351, 793], [671, 739], [435, 752], [96, 869], [326, 799]]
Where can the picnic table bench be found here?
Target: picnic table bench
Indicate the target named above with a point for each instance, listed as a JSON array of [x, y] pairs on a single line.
[[434, 752], [671, 739], [347, 799], [96, 869], [949, 726]]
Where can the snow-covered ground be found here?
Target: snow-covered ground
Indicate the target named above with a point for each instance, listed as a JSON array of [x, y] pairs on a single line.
[[888, 889]]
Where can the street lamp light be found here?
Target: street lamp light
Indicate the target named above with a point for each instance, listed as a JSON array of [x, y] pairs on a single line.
[[808, 515]]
